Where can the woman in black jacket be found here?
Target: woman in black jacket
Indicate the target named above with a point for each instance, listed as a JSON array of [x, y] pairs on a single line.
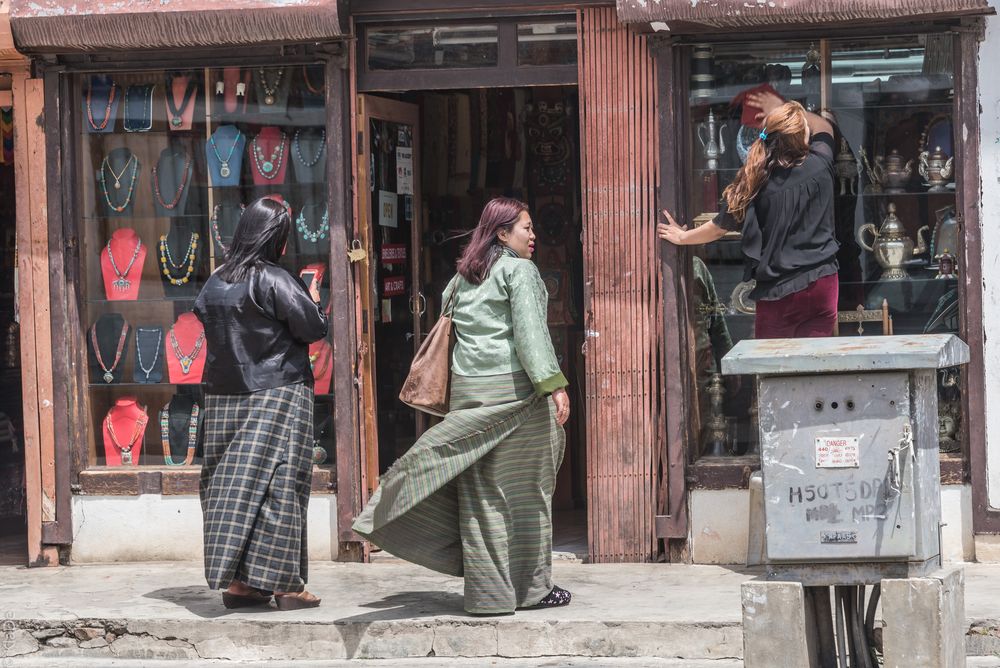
[[259, 321]]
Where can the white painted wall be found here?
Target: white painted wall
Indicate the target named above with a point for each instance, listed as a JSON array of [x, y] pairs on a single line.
[[989, 99], [151, 527], [720, 519]]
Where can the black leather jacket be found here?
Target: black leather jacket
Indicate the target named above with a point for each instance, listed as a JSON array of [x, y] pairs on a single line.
[[258, 332]]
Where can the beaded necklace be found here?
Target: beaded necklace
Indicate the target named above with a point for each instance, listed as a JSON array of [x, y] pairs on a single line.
[[216, 234], [298, 149], [109, 375], [180, 188], [138, 350], [309, 234], [269, 169], [186, 360], [328, 359], [270, 90], [140, 426], [145, 110], [168, 264], [112, 93], [224, 170], [177, 113], [106, 165], [121, 283], [315, 90], [192, 435]]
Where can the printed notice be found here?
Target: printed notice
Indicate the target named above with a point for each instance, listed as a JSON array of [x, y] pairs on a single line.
[[837, 452], [387, 209], [404, 170]]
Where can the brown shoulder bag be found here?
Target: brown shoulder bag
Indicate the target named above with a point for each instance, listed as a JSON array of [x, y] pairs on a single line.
[[428, 385]]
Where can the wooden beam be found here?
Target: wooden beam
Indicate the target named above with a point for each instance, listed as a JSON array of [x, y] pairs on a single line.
[[36, 350]]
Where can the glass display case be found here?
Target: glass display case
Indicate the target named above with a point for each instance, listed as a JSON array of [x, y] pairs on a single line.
[[895, 209], [167, 161]]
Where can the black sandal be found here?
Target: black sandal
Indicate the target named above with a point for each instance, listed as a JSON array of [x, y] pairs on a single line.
[[556, 598]]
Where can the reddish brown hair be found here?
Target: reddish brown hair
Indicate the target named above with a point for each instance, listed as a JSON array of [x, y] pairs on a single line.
[[784, 146], [483, 249]]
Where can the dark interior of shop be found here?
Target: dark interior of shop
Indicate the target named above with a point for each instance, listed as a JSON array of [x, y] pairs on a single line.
[[13, 528], [473, 145]]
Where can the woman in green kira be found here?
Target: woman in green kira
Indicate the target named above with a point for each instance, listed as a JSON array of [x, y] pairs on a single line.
[[473, 496]]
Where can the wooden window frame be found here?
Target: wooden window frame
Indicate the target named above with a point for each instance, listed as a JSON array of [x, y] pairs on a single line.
[[506, 73], [74, 475], [959, 468]]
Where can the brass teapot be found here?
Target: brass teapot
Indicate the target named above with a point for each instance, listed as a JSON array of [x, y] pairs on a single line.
[[896, 173], [891, 247], [936, 167]]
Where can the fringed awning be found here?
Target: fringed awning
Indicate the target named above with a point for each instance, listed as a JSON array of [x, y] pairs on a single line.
[[56, 26], [703, 15]]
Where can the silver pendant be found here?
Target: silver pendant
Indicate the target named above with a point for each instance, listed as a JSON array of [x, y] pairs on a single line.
[[185, 364], [176, 121], [122, 284], [126, 456], [118, 185], [267, 167], [220, 87], [109, 377], [241, 89], [224, 170], [268, 99]]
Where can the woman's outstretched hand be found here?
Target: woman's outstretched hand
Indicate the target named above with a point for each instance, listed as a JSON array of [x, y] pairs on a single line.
[[670, 230], [561, 400]]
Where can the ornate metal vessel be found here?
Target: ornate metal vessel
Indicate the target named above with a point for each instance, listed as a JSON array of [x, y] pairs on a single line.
[[847, 168], [714, 145], [936, 167], [892, 248], [897, 173]]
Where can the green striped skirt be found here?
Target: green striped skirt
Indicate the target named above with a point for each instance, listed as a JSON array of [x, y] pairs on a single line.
[[473, 496]]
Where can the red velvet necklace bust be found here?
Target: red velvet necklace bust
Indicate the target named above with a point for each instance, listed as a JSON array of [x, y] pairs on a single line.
[[186, 350], [321, 358], [121, 265], [124, 429]]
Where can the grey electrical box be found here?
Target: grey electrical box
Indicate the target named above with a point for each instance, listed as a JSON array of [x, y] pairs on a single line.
[[849, 453]]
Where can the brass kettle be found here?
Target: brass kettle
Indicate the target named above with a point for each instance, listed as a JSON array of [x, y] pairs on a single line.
[[892, 248]]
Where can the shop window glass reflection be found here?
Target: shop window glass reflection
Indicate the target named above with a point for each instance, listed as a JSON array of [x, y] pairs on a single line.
[[895, 210], [432, 47], [168, 160]]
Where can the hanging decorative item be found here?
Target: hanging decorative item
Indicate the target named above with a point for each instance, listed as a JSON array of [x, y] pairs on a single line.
[[106, 116], [224, 170], [181, 186], [138, 108], [214, 222], [7, 135], [170, 266], [192, 435], [122, 281], [109, 371], [308, 233], [298, 149], [269, 167], [119, 205], [186, 359], [176, 111], [270, 88], [158, 334], [126, 448]]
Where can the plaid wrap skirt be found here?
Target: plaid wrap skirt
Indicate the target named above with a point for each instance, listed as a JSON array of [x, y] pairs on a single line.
[[473, 496], [254, 487]]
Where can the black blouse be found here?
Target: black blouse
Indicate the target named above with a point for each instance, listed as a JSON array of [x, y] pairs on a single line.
[[788, 231]]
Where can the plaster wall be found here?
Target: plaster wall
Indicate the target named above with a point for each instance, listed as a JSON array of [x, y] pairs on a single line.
[[989, 100], [151, 527], [720, 518]]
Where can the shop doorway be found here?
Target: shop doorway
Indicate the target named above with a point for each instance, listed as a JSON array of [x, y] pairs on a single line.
[[428, 162], [13, 511]]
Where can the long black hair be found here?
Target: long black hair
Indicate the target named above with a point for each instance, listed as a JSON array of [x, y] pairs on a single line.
[[260, 236]]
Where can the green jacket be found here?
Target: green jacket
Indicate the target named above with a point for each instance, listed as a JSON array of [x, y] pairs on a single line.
[[500, 325]]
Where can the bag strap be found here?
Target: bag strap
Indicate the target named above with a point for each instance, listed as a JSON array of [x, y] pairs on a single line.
[[449, 305]]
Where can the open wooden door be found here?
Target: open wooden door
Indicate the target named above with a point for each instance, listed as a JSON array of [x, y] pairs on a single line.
[[390, 232]]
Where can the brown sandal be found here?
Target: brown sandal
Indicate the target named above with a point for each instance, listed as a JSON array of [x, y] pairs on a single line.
[[254, 598], [293, 602]]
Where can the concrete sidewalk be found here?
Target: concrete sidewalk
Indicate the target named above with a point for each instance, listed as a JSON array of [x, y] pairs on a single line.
[[393, 610]]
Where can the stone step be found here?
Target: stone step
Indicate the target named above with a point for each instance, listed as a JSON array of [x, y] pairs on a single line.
[[397, 611]]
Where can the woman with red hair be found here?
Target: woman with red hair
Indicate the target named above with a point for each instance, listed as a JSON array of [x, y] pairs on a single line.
[[473, 496], [782, 202]]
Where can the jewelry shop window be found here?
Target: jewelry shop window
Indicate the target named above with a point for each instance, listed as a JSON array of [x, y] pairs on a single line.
[[167, 160], [895, 209]]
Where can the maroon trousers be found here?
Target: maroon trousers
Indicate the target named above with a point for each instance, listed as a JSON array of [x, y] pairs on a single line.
[[806, 313]]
